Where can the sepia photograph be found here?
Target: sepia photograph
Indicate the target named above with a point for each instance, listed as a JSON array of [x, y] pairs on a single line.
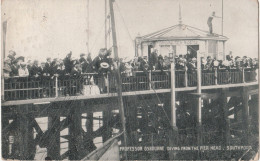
[[129, 80]]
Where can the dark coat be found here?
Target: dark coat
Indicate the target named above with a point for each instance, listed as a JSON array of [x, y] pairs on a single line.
[[68, 65]]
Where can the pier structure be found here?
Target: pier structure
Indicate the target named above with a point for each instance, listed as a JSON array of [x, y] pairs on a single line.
[[195, 108]]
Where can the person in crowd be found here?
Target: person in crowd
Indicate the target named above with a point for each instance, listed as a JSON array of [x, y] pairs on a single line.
[[189, 54], [166, 63], [160, 63], [7, 69], [83, 62], [192, 65], [61, 69], [68, 63], [153, 59], [42, 70], [11, 56], [35, 69], [48, 65], [23, 71], [128, 69]]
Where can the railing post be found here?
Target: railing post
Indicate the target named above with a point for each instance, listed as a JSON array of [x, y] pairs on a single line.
[[243, 75], [185, 77], [108, 82], [56, 86], [150, 80], [216, 76]]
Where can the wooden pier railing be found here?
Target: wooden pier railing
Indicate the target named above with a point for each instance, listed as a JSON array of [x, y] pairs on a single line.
[[21, 88]]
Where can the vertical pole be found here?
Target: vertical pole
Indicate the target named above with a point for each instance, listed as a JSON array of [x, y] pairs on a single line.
[[173, 97], [199, 98], [173, 133], [118, 74], [216, 76], [222, 18], [224, 55], [186, 77], [150, 79], [108, 83], [56, 86], [245, 113], [88, 26], [53, 148], [4, 27], [243, 75], [105, 23], [225, 116]]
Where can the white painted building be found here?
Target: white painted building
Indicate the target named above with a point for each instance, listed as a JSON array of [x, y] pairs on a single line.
[[178, 39]]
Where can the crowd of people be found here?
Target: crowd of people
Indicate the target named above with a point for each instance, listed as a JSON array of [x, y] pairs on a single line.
[[103, 63], [72, 68]]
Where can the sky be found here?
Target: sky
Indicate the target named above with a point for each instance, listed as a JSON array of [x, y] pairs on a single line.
[[38, 29]]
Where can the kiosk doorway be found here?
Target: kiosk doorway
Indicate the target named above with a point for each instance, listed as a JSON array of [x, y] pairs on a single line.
[[193, 49]]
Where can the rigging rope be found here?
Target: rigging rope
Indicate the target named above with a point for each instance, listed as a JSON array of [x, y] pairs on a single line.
[[97, 36], [124, 23]]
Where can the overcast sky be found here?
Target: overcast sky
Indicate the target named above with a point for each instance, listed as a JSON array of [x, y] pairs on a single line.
[[51, 28]]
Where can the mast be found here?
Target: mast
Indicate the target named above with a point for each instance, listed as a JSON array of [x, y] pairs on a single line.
[[180, 19], [87, 27], [105, 23], [118, 76]]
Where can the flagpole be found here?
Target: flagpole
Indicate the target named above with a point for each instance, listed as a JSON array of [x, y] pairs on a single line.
[[222, 19]]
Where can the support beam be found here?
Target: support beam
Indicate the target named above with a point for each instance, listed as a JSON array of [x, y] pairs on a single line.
[[245, 114], [90, 135], [106, 123], [75, 132], [226, 122], [173, 133], [5, 137], [198, 110], [53, 146], [27, 148]]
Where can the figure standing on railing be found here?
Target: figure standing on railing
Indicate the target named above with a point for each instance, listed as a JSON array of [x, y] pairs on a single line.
[[209, 22]]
